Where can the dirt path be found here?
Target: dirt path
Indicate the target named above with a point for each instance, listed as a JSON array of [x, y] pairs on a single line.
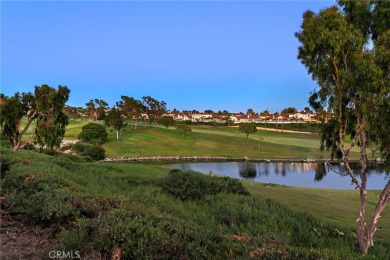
[[19, 241], [284, 131]]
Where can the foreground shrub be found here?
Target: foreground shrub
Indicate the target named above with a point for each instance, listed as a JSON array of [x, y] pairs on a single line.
[[41, 197], [49, 151], [95, 152], [89, 152], [189, 185], [80, 147], [29, 146], [93, 133]]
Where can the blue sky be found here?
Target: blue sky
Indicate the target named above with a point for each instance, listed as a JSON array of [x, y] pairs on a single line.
[[199, 55]]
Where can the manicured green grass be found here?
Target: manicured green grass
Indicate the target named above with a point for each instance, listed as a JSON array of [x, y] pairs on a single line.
[[74, 128], [214, 141], [205, 140]]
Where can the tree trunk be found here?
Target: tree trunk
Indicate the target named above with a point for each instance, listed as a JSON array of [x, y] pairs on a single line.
[[363, 243], [17, 141], [384, 198], [366, 238], [117, 135]]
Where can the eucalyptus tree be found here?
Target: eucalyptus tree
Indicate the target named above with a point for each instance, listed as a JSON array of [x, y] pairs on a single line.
[[51, 118], [96, 109], [347, 52], [12, 110], [132, 109], [154, 108], [45, 107], [115, 120]]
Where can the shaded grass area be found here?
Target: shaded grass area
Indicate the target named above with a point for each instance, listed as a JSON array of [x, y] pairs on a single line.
[[100, 207]]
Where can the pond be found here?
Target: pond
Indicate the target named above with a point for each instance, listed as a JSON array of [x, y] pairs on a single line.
[[313, 175]]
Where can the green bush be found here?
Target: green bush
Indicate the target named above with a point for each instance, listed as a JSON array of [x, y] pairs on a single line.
[[29, 146], [93, 133], [81, 147], [189, 185], [73, 158], [95, 152], [41, 197]]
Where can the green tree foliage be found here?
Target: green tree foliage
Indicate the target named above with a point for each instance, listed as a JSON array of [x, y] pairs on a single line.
[[46, 106], [12, 110], [167, 121], [131, 108], [93, 133], [289, 110], [96, 109], [250, 112], [248, 128], [354, 85], [154, 108], [51, 118], [115, 120], [183, 128]]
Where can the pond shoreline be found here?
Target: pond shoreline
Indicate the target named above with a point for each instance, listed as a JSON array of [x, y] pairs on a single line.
[[218, 159]]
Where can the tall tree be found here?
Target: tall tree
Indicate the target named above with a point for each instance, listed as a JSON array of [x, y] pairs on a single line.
[[12, 110], [115, 120], [51, 118], [265, 114], [250, 112], [46, 106], [96, 109], [154, 108], [353, 82], [132, 109]]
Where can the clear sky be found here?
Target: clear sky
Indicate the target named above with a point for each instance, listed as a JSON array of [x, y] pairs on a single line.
[[217, 55]]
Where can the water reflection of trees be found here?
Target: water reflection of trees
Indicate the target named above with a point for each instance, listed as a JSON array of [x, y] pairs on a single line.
[[252, 170], [320, 172], [247, 170]]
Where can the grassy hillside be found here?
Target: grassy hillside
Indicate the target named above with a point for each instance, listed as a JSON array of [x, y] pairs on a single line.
[[215, 141], [99, 207], [206, 140]]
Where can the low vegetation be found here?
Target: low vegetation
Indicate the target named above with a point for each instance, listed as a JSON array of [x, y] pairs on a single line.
[[99, 208]]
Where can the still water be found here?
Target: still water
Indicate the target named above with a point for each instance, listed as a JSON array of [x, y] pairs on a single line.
[[314, 175]]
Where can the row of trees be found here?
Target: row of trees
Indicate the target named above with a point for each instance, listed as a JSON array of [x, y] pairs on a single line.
[[127, 108]]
